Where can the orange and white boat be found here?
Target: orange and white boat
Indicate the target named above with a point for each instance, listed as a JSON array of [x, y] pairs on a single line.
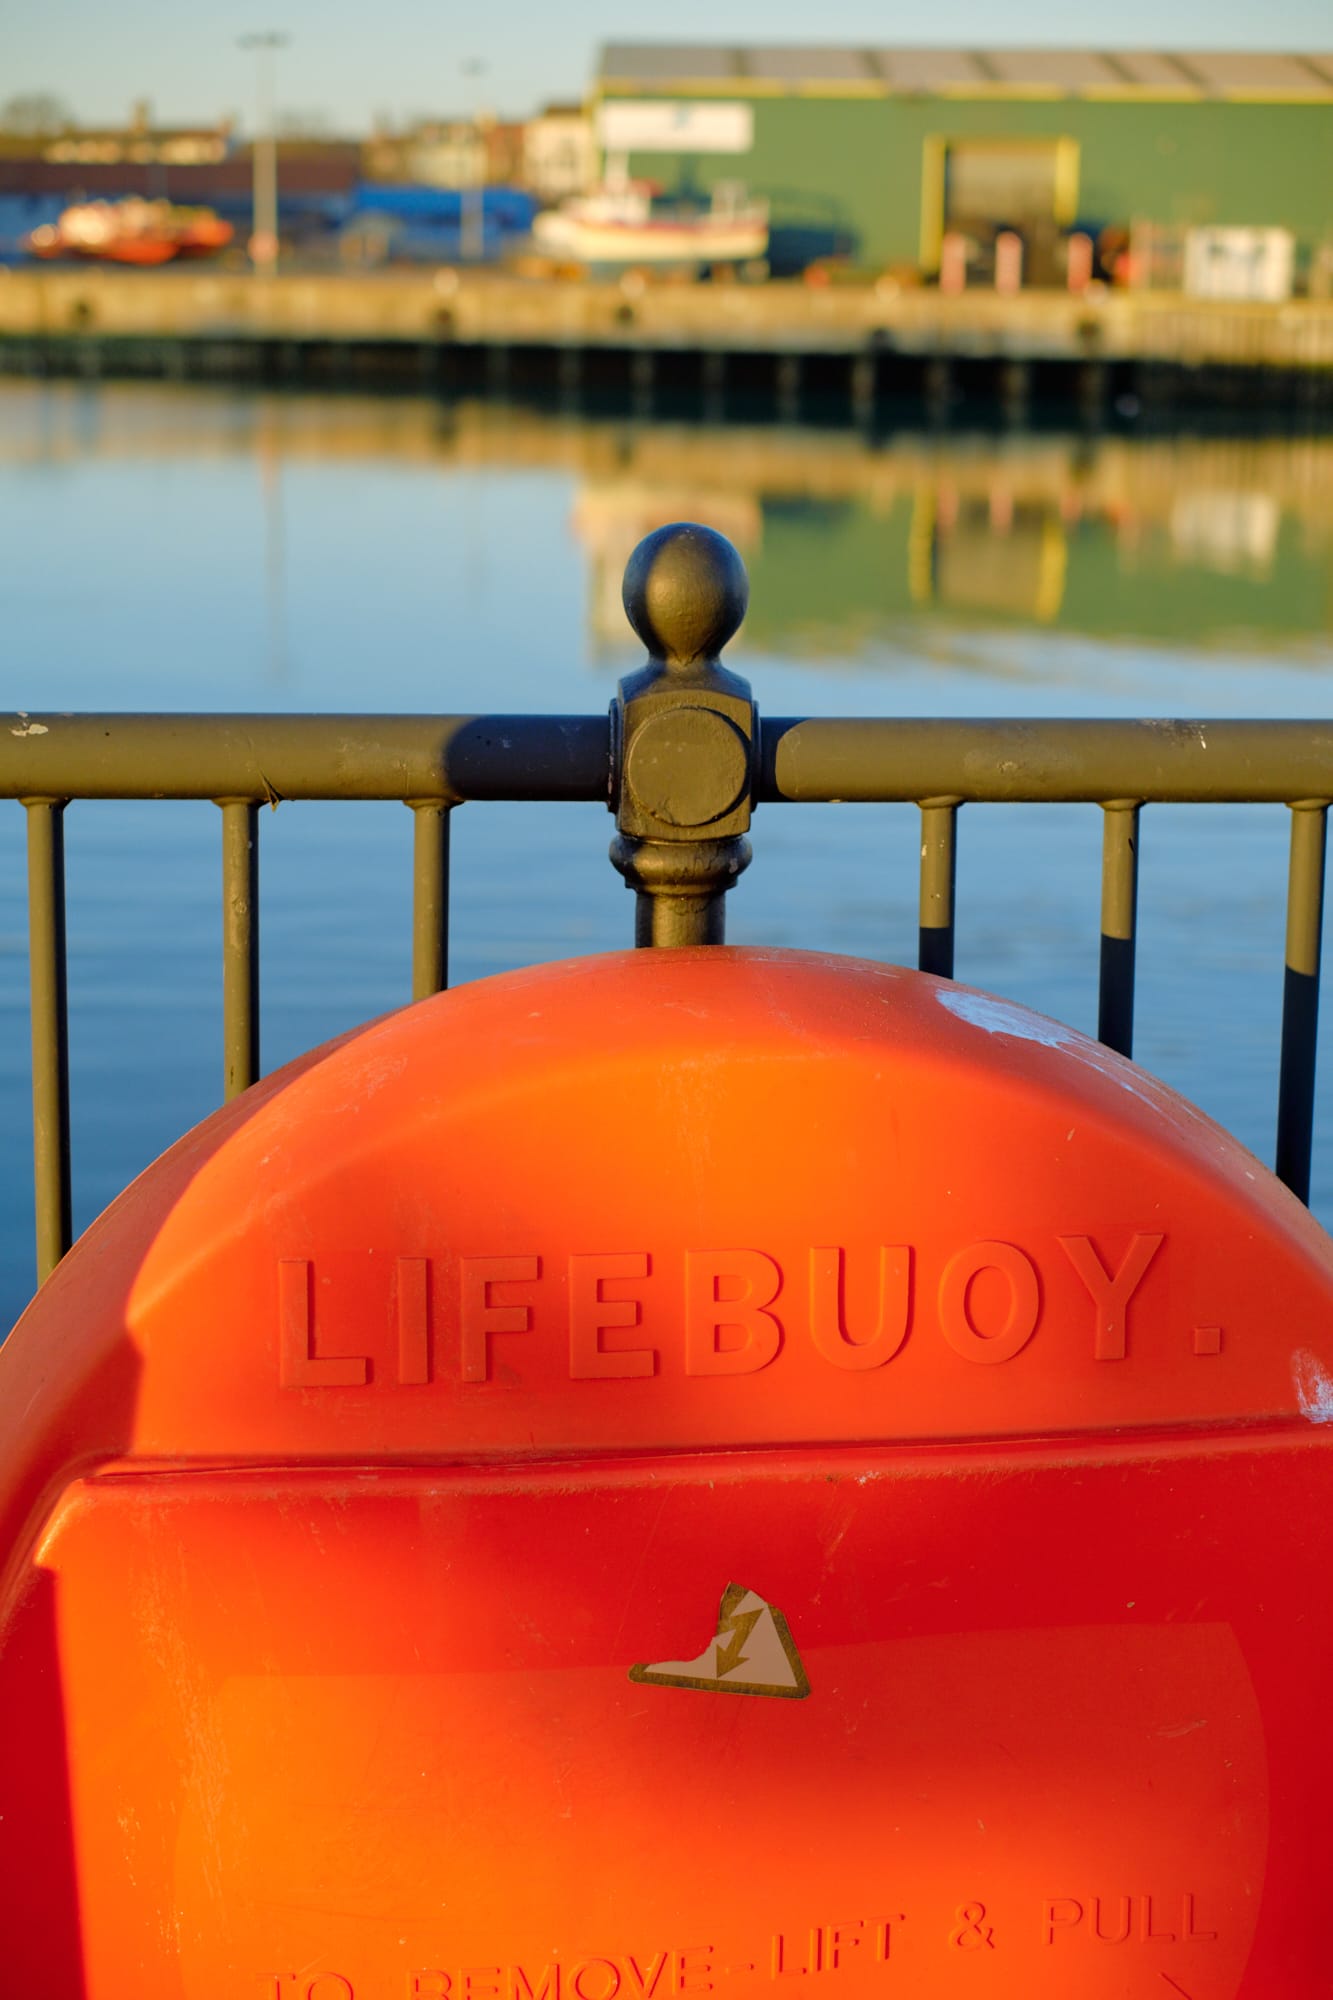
[[132, 231]]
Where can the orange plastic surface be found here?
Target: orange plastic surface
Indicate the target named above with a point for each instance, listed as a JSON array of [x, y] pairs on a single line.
[[704, 1472]]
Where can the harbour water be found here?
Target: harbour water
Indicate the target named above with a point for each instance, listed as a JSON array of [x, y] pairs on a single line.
[[191, 548]]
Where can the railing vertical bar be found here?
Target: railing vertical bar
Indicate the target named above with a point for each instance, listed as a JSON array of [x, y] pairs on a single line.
[[240, 945], [1300, 997], [939, 874], [430, 897], [50, 1030], [1120, 902]]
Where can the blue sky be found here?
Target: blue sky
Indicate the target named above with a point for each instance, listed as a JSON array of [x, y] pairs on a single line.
[[406, 56]]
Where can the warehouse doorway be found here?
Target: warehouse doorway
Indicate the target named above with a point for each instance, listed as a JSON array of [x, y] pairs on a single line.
[[976, 188]]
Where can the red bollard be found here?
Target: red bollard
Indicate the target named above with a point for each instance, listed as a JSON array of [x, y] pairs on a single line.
[[1008, 261], [953, 262], [1078, 266]]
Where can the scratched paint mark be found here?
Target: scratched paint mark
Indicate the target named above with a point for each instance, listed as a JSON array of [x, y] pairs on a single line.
[[1001, 1017], [1020, 1024], [1175, 1986], [31, 729], [1314, 1386]]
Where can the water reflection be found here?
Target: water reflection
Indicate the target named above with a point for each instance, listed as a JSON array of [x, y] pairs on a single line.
[[850, 541], [184, 547], [1225, 540]]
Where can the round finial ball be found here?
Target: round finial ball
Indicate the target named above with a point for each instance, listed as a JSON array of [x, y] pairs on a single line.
[[685, 592]]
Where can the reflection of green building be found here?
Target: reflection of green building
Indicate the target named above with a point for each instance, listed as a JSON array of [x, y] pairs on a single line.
[[880, 151], [829, 578], [1198, 542]]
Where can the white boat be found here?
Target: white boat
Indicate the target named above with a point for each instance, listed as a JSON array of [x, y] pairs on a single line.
[[627, 222]]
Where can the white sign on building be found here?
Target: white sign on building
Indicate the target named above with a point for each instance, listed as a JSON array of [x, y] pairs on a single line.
[[663, 125], [1239, 263]]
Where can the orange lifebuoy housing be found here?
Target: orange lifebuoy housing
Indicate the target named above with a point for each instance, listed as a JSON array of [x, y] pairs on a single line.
[[690, 1472]]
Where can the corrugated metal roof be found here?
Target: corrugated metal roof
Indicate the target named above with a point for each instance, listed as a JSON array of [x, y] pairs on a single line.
[[1220, 73], [645, 62], [1255, 70], [1060, 69], [792, 65], [1149, 69], [928, 69]]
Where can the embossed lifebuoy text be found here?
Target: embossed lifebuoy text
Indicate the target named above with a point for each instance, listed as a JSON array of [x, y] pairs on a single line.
[[632, 1315]]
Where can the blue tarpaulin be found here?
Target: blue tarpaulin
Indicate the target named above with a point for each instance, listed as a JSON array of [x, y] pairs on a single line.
[[506, 208], [22, 213]]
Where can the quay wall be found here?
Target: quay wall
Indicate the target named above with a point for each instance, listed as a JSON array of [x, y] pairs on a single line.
[[856, 342]]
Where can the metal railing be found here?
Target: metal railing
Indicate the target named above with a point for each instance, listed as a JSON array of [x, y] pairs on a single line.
[[682, 761]]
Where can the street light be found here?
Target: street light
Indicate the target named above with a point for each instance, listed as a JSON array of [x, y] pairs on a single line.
[[264, 152], [472, 235]]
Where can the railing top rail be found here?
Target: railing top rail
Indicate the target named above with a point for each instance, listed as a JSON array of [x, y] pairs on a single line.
[[454, 758], [1049, 760], [266, 758]]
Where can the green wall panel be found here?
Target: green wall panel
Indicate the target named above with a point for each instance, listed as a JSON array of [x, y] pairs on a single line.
[[855, 164]]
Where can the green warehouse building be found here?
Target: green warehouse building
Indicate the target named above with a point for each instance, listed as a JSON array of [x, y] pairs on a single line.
[[877, 153]]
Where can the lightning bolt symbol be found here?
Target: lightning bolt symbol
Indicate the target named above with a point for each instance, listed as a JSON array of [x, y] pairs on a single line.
[[739, 1624]]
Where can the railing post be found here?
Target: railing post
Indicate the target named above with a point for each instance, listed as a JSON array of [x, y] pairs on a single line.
[[50, 1030], [240, 945], [430, 896], [1120, 904], [684, 738], [1300, 998], [939, 874]]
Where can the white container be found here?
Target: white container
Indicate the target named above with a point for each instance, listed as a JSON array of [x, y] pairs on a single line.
[[1239, 263]]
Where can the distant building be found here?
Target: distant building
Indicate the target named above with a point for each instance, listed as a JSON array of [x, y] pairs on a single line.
[[484, 151], [504, 152], [203, 164], [140, 143], [878, 154], [559, 152], [435, 152]]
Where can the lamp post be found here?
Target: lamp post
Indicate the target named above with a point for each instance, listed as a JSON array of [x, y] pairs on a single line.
[[264, 152], [472, 235]]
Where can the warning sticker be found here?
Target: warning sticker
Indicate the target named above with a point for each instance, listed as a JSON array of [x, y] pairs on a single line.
[[753, 1653]]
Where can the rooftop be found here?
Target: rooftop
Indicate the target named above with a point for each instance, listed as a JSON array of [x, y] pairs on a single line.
[[1255, 74]]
